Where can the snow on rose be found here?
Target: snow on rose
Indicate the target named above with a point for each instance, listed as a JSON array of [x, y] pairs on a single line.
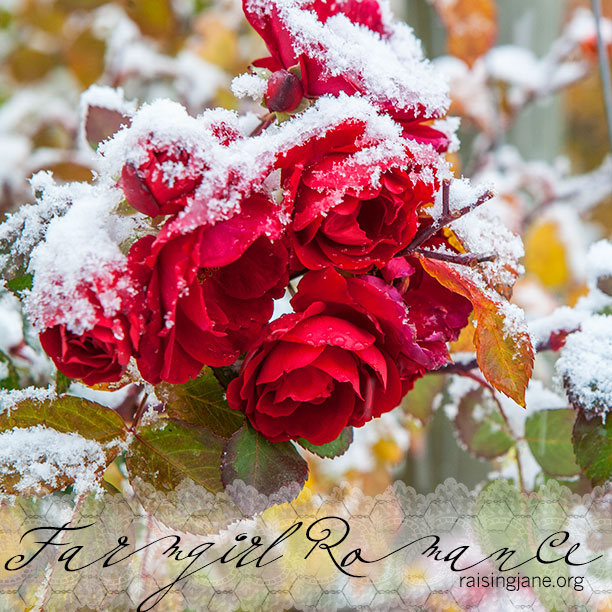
[[201, 223]]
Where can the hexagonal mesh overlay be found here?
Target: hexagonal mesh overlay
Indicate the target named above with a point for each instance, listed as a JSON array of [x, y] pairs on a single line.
[[454, 549]]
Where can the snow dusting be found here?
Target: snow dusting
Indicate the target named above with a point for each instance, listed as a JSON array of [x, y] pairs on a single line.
[[585, 365], [389, 68], [45, 458]]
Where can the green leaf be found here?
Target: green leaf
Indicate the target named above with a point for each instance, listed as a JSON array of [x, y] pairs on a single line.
[[265, 465], [11, 380], [549, 435], [19, 283], [68, 415], [592, 439], [65, 415], [481, 426], [337, 447], [418, 403], [202, 402], [166, 453]]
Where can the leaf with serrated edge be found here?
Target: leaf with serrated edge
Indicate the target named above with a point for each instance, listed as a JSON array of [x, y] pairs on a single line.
[[418, 403], [506, 360], [592, 441], [481, 427], [65, 415], [549, 435], [163, 455], [332, 449], [265, 465], [202, 402]]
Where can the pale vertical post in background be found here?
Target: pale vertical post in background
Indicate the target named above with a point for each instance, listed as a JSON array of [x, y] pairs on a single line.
[[604, 68]]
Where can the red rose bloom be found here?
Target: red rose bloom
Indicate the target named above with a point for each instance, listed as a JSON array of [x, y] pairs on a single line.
[[276, 22], [342, 215], [100, 354], [271, 26], [437, 313], [208, 292], [161, 184], [347, 355]]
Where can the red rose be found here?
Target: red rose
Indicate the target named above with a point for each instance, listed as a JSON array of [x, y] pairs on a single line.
[[100, 354], [437, 313], [164, 171], [162, 182], [294, 34], [209, 292], [352, 208], [347, 355], [271, 25]]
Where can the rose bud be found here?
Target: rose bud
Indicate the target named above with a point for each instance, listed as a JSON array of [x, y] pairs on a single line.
[[284, 92]]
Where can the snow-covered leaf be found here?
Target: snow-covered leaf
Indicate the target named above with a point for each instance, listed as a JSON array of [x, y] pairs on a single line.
[[45, 446], [503, 347]]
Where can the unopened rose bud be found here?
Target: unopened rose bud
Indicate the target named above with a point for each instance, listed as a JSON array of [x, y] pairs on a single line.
[[284, 92]]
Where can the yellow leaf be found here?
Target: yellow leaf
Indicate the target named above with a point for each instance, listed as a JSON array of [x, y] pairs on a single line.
[[465, 341], [218, 42], [85, 57], [545, 255], [503, 349], [28, 64], [471, 26]]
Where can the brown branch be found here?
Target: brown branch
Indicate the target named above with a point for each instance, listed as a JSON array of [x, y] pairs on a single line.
[[464, 259], [446, 198], [445, 219]]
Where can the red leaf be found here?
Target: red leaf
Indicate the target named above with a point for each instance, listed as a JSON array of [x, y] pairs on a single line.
[[503, 349]]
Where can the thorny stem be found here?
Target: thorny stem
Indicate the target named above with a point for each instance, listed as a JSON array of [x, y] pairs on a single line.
[[465, 259], [517, 458], [604, 68], [264, 123], [445, 219]]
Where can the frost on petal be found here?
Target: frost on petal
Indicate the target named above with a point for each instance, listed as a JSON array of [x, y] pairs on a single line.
[[351, 47], [80, 255]]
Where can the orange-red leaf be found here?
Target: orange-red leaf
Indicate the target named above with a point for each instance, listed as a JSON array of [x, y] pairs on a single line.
[[471, 26], [503, 349]]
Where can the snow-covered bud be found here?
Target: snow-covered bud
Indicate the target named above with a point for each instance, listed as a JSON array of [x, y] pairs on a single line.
[[284, 92]]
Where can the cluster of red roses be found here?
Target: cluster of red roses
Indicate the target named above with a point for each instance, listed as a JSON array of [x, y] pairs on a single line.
[[366, 324]]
